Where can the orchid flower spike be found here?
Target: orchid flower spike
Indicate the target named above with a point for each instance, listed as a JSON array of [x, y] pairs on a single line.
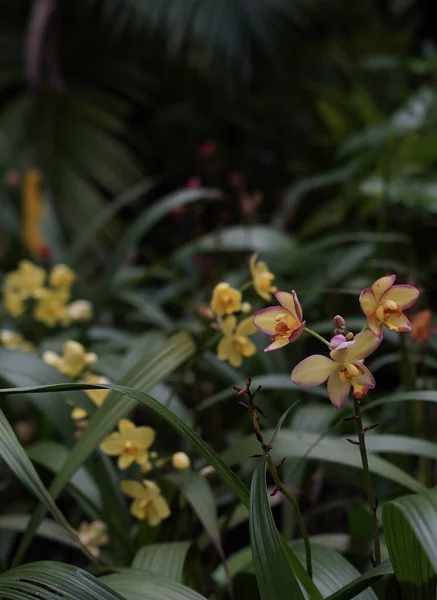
[[284, 323], [344, 369]]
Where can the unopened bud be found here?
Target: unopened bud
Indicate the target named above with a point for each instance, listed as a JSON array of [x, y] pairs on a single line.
[[349, 336], [246, 307], [180, 461], [338, 321]]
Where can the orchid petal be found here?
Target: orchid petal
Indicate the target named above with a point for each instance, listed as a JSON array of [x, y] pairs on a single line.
[[126, 427], [224, 348], [368, 301], [400, 324], [375, 325], [297, 332], [313, 370], [338, 391], [336, 341], [112, 445], [235, 358], [246, 327], [229, 324], [276, 345], [363, 382], [133, 489], [125, 460], [404, 295], [143, 437], [382, 285], [291, 303], [364, 344], [248, 349], [265, 320]]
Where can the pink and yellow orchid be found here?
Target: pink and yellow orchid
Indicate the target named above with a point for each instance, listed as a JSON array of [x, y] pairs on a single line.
[[383, 303], [284, 323], [344, 369]]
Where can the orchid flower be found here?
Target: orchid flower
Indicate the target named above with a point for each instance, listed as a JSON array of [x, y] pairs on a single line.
[[284, 323], [383, 303], [343, 369]]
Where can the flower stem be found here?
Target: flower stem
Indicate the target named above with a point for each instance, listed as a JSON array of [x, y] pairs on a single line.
[[316, 335], [368, 481], [266, 448]]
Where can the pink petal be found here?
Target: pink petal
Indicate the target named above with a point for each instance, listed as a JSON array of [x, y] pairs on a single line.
[[404, 295], [276, 345], [368, 302], [338, 391], [297, 332], [382, 285], [364, 344], [337, 340], [265, 319], [313, 370], [291, 303], [400, 324]]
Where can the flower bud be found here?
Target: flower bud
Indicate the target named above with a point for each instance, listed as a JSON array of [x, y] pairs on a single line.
[[246, 307], [180, 461], [80, 311], [338, 321]]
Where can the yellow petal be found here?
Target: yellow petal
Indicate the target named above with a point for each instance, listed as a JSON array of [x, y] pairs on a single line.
[[246, 327], [224, 348], [229, 324], [138, 509], [368, 301], [313, 370], [125, 460], [382, 285], [158, 511], [235, 358], [364, 344], [403, 295], [113, 444], [133, 489], [248, 348], [143, 437], [338, 391], [126, 428], [265, 319]]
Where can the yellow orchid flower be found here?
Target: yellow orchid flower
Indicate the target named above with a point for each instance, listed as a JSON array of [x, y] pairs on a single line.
[[148, 503], [61, 276], [284, 323], [50, 307], [383, 303], [20, 285], [225, 299], [235, 342], [15, 341], [73, 361], [93, 536], [261, 278], [130, 444]]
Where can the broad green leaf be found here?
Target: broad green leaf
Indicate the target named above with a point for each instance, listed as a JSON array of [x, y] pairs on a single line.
[[273, 572], [49, 529], [331, 571], [17, 460], [24, 370], [298, 444], [49, 580], [352, 589], [410, 528], [240, 238], [166, 560], [137, 585], [198, 492]]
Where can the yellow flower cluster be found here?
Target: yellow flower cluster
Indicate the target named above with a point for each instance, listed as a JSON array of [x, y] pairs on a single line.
[[74, 359], [226, 300], [15, 341], [51, 293]]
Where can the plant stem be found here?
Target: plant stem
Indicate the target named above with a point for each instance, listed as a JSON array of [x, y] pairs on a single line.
[[368, 481], [316, 335], [266, 448], [276, 478]]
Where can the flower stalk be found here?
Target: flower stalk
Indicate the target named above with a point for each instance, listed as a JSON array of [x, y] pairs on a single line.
[[257, 414], [373, 504]]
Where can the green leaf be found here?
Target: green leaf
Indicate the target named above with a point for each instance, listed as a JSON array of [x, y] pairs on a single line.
[[240, 238], [49, 529], [50, 580], [410, 528], [273, 572], [352, 589], [17, 460], [331, 571], [166, 560], [298, 444], [198, 492], [137, 585]]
